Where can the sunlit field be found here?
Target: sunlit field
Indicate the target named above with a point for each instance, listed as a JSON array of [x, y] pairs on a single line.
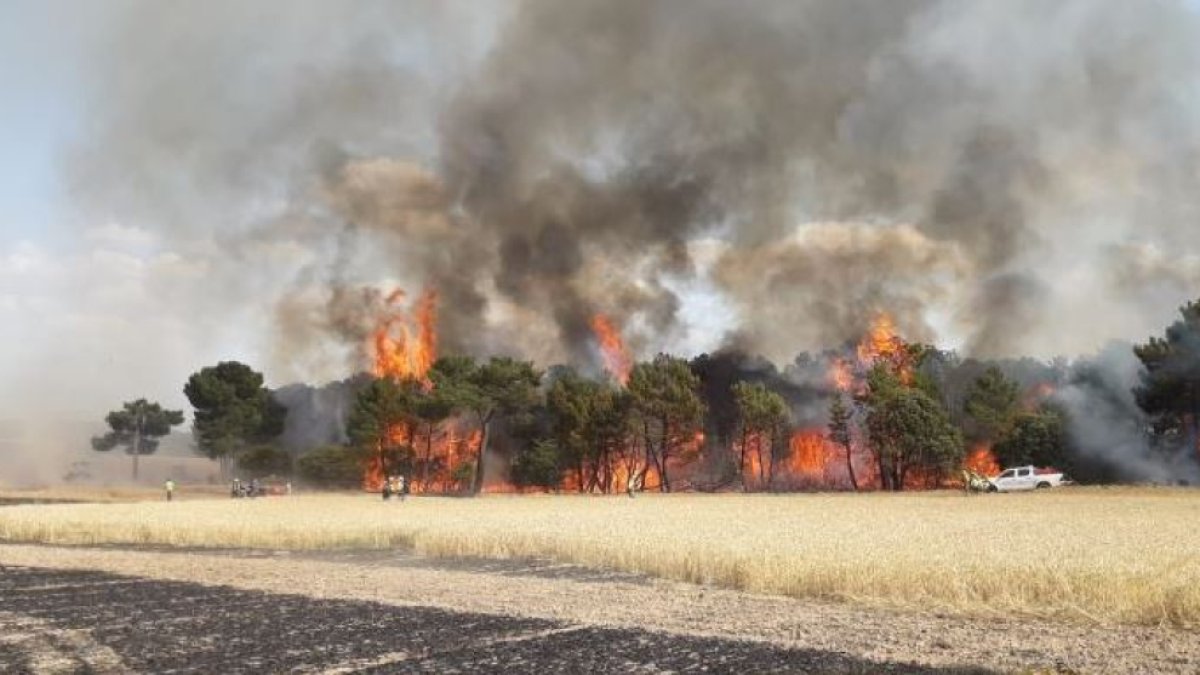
[[1119, 555], [89, 493]]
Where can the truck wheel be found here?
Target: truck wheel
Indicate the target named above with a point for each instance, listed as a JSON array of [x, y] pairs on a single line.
[[1043, 485], [992, 488]]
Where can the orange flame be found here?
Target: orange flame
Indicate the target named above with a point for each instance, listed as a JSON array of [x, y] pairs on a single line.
[[812, 460], [981, 460], [617, 360], [881, 344], [841, 376], [880, 341], [373, 475], [1037, 395], [436, 459], [405, 346], [810, 452]]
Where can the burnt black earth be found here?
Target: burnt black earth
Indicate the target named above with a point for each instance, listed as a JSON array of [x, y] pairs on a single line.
[[92, 622]]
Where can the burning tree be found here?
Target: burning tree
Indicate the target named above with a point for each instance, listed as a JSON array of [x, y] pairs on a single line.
[[590, 424], [382, 427], [403, 402], [499, 387], [762, 420], [839, 433], [405, 343], [617, 359], [666, 401], [909, 431], [432, 408], [137, 427]]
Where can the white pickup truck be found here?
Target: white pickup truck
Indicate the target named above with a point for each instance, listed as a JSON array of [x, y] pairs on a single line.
[[1027, 478]]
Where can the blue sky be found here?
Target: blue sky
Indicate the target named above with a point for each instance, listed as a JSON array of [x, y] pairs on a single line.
[[39, 52]]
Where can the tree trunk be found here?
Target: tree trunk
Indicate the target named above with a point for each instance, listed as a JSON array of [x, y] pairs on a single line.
[[649, 454], [1190, 423], [428, 458], [485, 424], [850, 468], [772, 455], [742, 459], [762, 465], [605, 465], [664, 454], [137, 449]]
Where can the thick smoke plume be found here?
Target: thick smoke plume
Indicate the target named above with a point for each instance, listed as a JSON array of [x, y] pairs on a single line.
[[952, 162], [1002, 177], [1107, 428]]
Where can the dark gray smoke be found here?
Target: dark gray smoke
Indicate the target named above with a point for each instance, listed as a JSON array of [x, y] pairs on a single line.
[[317, 415], [1004, 178], [968, 166], [1109, 432]]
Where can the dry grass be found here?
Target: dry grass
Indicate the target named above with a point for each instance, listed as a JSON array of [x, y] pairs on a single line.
[[92, 493], [1125, 556]]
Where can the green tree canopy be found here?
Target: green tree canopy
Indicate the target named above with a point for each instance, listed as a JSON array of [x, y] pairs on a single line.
[[232, 410], [1038, 438], [431, 408], [589, 423], [762, 414], [908, 430], [383, 422], [264, 460], [499, 387], [665, 395], [137, 427], [991, 405], [537, 465], [1169, 391], [332, 466], [839, 433]]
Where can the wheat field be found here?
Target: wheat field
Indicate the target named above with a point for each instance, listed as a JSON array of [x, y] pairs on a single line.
[[1098, 555]]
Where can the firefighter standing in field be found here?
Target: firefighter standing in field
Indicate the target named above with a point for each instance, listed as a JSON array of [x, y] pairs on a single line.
[[170, 486], [402, 487]]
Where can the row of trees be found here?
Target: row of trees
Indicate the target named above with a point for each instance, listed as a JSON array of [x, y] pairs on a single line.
[[234, 418], [396, 420], [566, 430], [561, 429], [592, 434]]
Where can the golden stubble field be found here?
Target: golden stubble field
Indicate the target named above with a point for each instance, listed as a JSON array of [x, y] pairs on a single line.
[[1103, 555]]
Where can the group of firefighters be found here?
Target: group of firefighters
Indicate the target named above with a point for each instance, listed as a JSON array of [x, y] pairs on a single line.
[[392, 485], [395, 485], [238, 489]]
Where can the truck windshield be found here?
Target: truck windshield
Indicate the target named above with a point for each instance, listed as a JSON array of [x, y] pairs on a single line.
[[1007, 474]]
